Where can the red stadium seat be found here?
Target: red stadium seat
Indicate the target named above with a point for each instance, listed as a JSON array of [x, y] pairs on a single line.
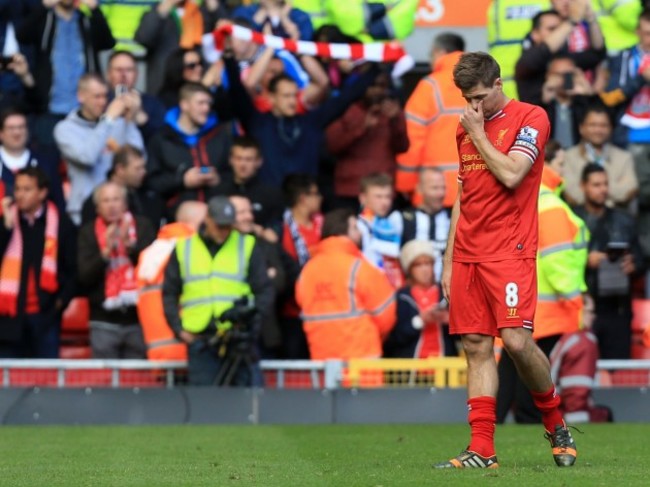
[[75, 339], [640, 315]]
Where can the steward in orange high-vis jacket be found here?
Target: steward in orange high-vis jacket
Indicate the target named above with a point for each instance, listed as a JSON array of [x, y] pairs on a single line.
[[432, 114], [158, 336], [348, 304]]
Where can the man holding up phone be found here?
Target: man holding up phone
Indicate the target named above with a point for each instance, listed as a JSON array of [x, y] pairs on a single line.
[[570, 30], [614, 257], [191, 150], [566, 96]]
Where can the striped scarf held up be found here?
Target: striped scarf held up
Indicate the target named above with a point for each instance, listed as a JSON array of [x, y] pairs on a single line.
[[120, 285]]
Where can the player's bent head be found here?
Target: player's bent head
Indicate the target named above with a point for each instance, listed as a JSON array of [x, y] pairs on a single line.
[[474, 68]]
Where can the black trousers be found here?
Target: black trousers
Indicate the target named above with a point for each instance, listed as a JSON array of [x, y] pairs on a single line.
[[513, 393]]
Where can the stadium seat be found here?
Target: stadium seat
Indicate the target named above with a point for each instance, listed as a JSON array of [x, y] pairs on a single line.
[[640, 323], [640, 315], [75, 340]]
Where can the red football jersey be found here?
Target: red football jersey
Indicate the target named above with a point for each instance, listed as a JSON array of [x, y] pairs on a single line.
[[497, 223]]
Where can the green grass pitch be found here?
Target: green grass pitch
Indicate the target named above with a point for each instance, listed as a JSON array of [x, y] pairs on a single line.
[[332, 455]]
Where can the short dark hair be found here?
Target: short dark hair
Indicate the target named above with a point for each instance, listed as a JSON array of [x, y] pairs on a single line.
[[376, 180], [449, 42], [279, 78], [599, 109], [124, 155], [10, 112], [128, 54], [42, 181], [190, 89], [474, 68], [590, 169], [246, 142], [296, 185], [537, 19], [551, 150], [335, 222]]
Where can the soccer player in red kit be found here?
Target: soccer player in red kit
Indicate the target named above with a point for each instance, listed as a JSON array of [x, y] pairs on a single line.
[[489, 275]]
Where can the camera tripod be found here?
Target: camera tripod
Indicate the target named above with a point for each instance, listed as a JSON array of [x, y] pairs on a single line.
[[239, 353]]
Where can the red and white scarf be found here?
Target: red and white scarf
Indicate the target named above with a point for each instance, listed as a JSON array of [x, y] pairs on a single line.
[[381, 52], [120, 285], [637, 114], [12, 261]]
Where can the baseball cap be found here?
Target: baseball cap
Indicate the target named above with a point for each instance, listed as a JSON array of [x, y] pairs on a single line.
[[221, 210]]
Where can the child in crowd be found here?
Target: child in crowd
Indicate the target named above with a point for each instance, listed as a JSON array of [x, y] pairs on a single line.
[[418, 332], [380, 239]]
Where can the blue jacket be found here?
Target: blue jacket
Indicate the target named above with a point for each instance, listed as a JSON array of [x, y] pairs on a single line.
[[297, 16], [291, 145], [624, 84]]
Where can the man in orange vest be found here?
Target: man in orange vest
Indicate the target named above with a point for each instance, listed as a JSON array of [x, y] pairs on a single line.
[[158, 336], [348, 305], [432, 114]]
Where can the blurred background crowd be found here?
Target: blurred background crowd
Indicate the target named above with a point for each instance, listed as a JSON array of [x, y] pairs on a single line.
[[321, 187]]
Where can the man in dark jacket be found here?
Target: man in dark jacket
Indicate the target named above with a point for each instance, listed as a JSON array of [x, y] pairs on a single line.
[[614, 258], [291, 142], [15, 155], [267, 200], [38, 269], [190, 153], [109, 247], [67, 41], [129, 169], [554, 34]]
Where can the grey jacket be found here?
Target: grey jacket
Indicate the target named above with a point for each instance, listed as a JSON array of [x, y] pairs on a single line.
[[87, 148]]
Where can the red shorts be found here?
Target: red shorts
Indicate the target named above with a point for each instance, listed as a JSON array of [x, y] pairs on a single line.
[[487, 296]]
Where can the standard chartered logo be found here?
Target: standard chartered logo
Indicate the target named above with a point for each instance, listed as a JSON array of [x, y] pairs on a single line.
[[472, 165]]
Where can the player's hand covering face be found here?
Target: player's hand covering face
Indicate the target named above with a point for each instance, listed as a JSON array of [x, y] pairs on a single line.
[[472, 119]]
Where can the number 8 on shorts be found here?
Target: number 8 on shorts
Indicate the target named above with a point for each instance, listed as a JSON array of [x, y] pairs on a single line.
[[512, 298]]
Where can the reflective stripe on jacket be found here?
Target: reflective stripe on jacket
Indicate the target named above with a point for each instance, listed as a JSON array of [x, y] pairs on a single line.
[[159, 337], [508, 23], [561, 263], [210, 285], [432, 114], [348, 305]]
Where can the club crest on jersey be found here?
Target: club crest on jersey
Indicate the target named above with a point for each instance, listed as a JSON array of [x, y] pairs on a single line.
[[466, 140], [528, 134], [500, 136]]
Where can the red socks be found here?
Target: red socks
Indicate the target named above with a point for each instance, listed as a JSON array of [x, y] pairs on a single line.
[[482, 419], [548, 403]]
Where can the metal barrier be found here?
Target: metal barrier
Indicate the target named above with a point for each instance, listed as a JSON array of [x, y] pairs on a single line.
[[430, 372], [284, 374]]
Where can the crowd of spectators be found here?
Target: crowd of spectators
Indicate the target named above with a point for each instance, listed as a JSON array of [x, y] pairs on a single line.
[[340, 183]]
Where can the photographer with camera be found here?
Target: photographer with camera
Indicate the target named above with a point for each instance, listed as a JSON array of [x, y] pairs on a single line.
[[614, 258], [210, 284], [571, 30]]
